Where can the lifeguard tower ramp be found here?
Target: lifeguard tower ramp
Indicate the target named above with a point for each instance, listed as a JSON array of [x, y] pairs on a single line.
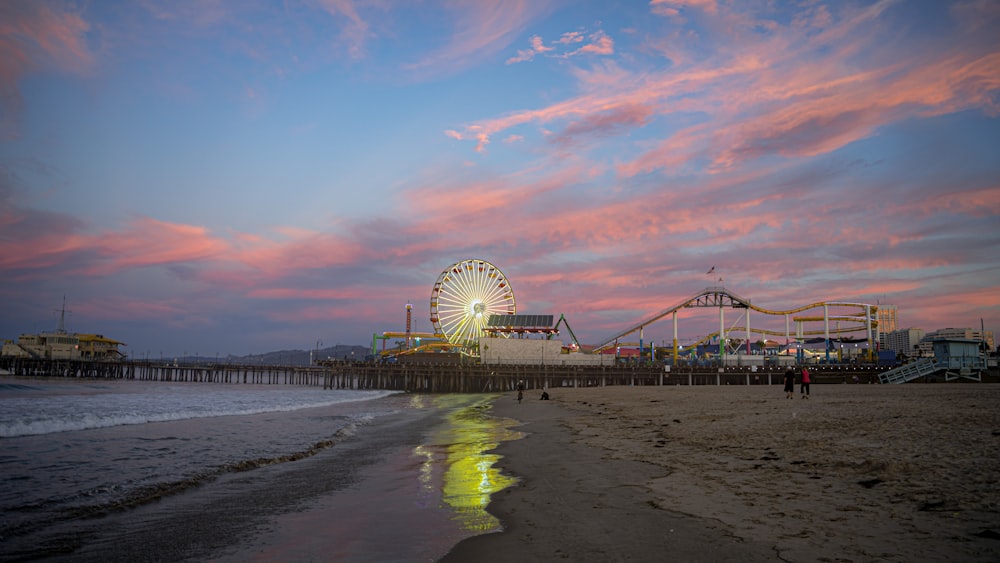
[[954, 358], [908, 372]]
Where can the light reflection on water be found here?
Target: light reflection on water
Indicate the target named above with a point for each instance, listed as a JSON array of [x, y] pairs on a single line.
[[469, 472]]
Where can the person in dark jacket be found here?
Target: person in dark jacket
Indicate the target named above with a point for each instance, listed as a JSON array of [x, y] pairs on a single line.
[[790, 384]]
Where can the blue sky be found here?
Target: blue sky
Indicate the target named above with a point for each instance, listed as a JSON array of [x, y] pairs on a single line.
[[236, 177]]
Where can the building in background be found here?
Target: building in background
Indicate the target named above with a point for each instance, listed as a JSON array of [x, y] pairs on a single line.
[[61, 345], [886, 317], [927, 347], [902, 341], [98, 347], [58, 345]]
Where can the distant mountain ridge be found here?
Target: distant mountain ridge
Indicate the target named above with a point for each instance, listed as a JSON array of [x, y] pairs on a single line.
[[342, 352]]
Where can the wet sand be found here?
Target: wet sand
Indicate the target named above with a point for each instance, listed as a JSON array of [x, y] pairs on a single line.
[[405, 485], [709, 473]]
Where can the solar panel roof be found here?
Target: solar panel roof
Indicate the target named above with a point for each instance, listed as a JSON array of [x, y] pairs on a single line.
[[533, 321]]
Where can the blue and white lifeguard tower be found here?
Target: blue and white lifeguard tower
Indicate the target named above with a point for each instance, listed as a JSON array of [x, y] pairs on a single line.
[[954, 358]]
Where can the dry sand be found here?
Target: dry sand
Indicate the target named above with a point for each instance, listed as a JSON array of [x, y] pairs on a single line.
[[710, 473]]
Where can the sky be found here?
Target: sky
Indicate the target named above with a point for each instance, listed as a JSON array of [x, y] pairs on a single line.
[[236, 177]]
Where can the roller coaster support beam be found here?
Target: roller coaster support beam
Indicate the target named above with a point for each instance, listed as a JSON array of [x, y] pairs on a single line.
[[826, 328], [868, 324], [722, 338], [675, 338], [788, 331]]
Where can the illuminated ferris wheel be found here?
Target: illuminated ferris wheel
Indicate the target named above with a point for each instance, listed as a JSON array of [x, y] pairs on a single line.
[[465, 295]]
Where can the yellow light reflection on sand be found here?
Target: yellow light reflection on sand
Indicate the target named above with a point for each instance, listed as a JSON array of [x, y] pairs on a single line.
[[469, 474]]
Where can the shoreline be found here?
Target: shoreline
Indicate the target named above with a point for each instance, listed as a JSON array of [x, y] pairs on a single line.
[[858, 472], [403, 482]]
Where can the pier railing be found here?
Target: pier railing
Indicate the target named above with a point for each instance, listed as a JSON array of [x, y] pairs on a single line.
[[429, 377]]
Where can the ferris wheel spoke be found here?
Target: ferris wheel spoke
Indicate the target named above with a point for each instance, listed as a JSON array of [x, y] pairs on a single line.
[[466, 290]]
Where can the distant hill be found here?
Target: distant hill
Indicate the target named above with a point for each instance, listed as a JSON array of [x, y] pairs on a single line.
[[286, 357]]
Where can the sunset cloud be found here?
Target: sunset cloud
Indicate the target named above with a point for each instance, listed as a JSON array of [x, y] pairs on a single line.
[[260, 176], [481, 29], [598, 44], [35, 36]]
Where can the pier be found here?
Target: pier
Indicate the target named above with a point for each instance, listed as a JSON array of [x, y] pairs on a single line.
[[427, 377]]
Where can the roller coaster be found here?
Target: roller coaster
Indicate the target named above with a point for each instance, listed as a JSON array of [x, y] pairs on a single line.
[[861, 318]]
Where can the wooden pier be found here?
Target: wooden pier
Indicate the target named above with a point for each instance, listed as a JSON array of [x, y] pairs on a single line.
[[426, 377]]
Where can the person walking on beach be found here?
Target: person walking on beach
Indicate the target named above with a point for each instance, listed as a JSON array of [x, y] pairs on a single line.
[[520, 390], [790, 383], [805, 382]]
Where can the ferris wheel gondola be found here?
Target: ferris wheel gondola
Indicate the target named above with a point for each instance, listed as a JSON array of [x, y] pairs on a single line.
[[464, 296]]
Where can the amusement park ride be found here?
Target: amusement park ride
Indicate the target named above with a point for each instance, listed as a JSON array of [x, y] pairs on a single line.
[[469, 292]]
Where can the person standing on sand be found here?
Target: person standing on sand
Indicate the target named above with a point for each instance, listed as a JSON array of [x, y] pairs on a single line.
[[520, 390], [805, 383], [789, 383]]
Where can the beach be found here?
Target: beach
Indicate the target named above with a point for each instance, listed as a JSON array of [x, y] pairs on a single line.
[[716, 473], [702, 473]]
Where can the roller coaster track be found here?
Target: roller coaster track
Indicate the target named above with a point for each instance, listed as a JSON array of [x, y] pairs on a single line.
[[720, 297], [712, 335]]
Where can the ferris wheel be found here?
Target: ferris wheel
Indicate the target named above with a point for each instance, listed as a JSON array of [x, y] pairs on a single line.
[[465, 295]]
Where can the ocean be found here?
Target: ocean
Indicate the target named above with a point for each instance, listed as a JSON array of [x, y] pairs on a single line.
[[144, 471]]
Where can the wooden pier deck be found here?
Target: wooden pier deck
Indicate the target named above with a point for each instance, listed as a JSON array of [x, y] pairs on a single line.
[[425, 377]]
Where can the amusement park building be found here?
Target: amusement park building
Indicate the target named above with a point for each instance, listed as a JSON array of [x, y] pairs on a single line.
[[496, 351]]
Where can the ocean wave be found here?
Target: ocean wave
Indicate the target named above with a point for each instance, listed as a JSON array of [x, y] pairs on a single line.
[[31, 417], [116, 497]]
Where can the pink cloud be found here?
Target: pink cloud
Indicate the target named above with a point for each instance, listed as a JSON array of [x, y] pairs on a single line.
[[145, 242], [983, 202], [198, 12], [41, 252], [149, 242], [474, 199], [673, 8], [629, 91], [35, 36], [129, 308], [600, 44], [300, 293], [766, 101], [299, 251], [570, 37], [483, 28], [356, 30], [537, 46], [609, 123]]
